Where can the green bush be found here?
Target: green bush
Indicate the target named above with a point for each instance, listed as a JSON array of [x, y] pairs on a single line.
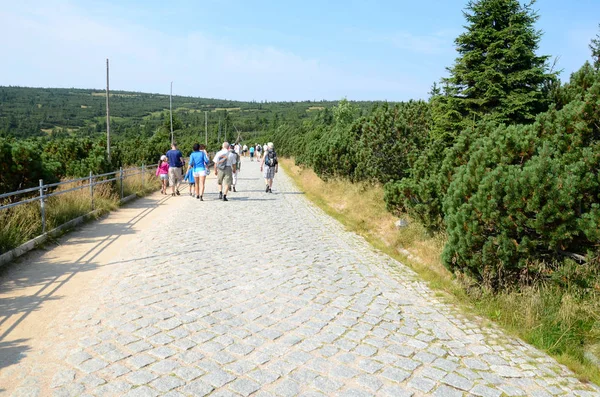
[[390, 139], [527, 194]]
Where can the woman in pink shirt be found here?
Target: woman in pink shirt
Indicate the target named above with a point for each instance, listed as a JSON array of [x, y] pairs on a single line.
[[163, 173]]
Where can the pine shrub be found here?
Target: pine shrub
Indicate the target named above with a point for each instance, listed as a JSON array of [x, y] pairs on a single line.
[[527, 194]]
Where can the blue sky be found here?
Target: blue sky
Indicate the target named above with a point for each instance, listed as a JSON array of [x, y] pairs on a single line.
[[259, 50]]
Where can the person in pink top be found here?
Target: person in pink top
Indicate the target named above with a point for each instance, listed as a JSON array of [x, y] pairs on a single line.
[[163, 173]]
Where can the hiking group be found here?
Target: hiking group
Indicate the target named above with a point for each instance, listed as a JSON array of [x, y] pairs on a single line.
[[227, 164]]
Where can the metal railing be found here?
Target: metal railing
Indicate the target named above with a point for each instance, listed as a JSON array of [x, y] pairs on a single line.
[[92, 180]]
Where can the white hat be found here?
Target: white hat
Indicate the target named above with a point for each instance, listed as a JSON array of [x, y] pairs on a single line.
[[163, 157]]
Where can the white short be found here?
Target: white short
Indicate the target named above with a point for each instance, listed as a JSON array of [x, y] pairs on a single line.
[[198, 174]]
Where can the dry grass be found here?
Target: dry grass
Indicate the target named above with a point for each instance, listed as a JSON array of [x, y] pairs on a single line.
[[560, 321]]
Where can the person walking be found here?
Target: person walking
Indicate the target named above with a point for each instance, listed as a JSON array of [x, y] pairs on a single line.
[[238, 163], [270, 164], [245, 150], [162, 172], [225, 166], [176, 163], [199, 166], [251, 153], [258, 151], [189, 178]]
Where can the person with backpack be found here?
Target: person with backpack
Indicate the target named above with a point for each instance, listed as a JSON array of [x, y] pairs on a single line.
[[258, 151], [238, 163], [225, 166], [270, 165]]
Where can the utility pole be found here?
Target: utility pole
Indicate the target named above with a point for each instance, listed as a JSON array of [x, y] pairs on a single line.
[[107, 115], [171, 111], [206, 128]]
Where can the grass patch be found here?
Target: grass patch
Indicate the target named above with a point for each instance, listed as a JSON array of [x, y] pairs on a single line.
[[24, 222], [227, 109], [562, 320]]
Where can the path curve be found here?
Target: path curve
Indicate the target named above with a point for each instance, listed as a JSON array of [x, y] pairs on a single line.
[[264, 295]]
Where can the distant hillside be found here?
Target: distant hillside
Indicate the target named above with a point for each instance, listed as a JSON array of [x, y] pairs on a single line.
[[26, 112]]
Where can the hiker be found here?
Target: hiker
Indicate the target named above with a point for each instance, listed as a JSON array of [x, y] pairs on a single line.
[[162, 172], [238, 163], [189, 178], [245, 150], [199, 166], [251, 153], [225, 166], [270, 164], [176, 163], [258, 151]]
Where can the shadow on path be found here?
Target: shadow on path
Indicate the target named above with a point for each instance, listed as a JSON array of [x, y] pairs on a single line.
[[12, 352], [45, 278]]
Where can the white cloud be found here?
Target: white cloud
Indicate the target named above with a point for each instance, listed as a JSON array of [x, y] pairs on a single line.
[[60, 45]]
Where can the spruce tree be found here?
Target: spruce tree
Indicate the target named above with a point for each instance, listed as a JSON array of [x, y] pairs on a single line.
[[595, 47], [497, 74]]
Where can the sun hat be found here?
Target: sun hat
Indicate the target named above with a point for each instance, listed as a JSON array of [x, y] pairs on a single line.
[[163, 157]]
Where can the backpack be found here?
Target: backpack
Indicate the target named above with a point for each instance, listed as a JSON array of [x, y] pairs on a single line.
[[222, 161], [271, 159]]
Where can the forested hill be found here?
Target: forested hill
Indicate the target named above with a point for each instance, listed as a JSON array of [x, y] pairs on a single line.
[[27, 112]]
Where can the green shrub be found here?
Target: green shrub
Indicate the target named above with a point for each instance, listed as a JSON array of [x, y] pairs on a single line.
[[527, 194], [390, 139]]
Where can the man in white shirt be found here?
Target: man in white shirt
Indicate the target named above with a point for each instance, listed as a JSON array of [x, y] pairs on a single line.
[[225, 166]]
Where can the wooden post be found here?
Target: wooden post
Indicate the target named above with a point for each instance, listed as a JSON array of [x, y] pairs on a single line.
[[107, 114], [42, 206]]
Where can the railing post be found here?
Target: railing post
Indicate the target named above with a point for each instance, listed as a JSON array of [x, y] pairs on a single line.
[[42, 206], [92, 190], [121, 169], [143, 175]]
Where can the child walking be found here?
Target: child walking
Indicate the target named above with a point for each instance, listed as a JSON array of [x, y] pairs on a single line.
[[163, 173], [189, 177]]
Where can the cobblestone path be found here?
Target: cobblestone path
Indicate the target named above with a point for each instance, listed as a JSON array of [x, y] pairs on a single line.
[[265, 295]]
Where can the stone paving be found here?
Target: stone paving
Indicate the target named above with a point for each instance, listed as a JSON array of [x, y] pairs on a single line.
[[265, 295]]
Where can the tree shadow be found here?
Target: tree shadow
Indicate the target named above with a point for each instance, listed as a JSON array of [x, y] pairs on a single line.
[[12, 352]]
